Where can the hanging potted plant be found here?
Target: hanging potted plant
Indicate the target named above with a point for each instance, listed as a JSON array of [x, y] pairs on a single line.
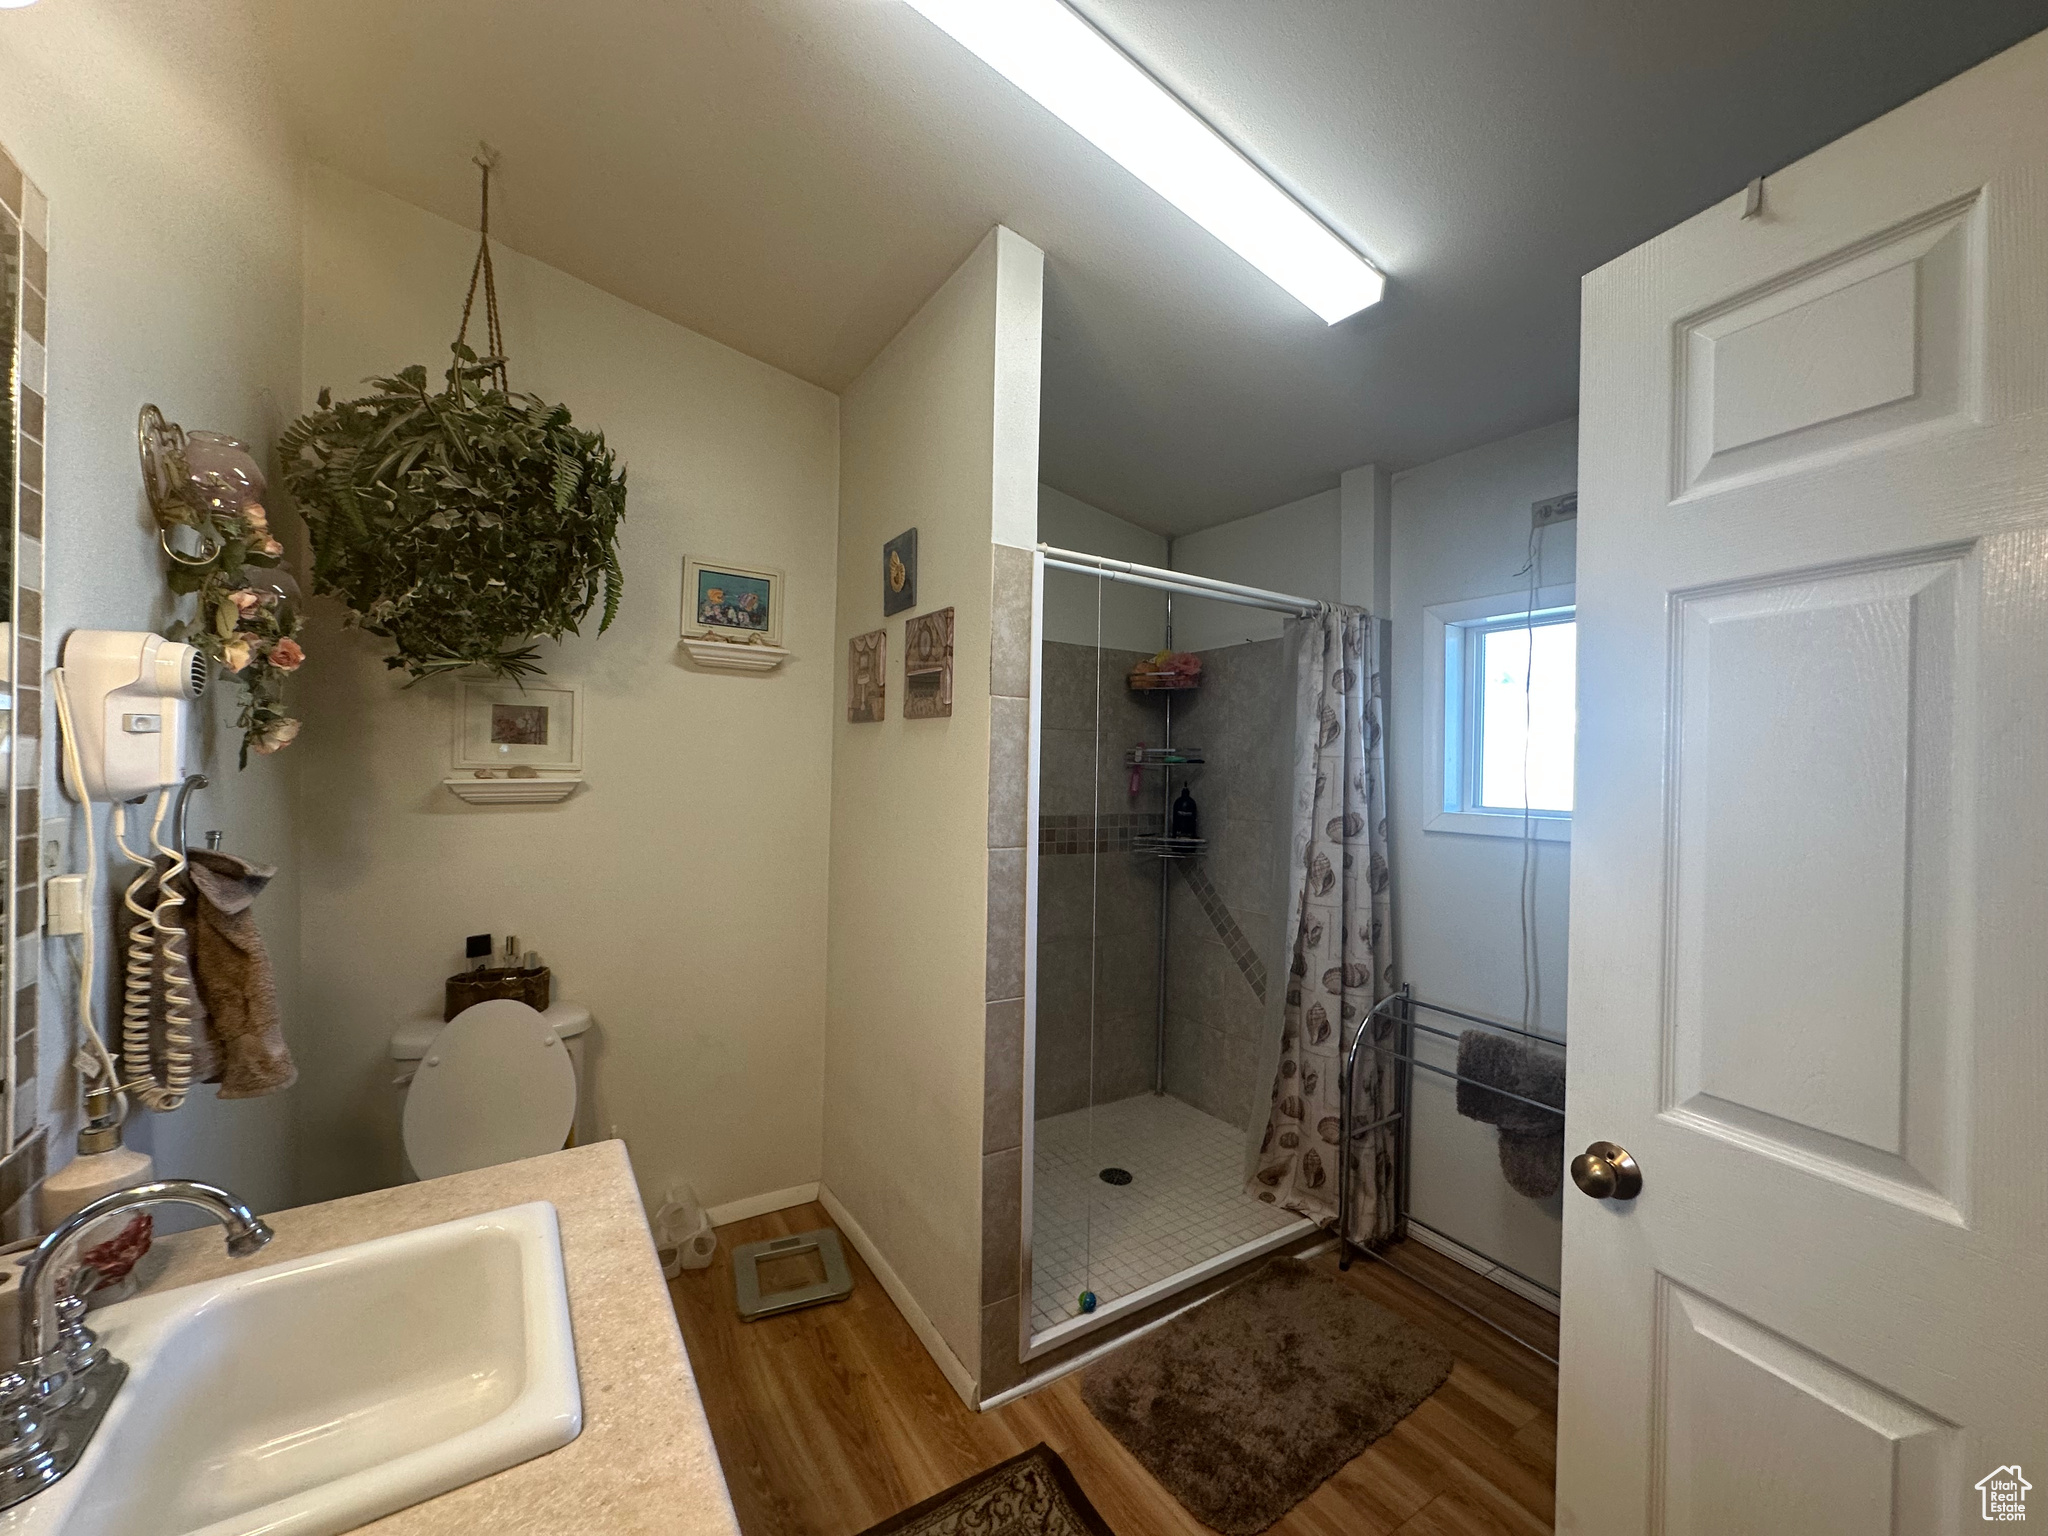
[[461, 523]]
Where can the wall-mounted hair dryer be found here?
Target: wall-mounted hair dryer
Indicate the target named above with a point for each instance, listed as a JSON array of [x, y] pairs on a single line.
[[130, 695]]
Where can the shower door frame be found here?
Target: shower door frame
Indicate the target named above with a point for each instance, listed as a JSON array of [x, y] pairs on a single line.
[[1033, 1346]]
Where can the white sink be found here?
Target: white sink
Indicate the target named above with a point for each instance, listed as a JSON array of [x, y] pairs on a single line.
[[309, 1397]]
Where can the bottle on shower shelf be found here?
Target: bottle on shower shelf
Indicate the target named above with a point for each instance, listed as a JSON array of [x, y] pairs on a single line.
[[1186, 819]]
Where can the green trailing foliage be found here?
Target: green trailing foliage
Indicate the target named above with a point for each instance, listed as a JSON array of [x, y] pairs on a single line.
[[462, 524]]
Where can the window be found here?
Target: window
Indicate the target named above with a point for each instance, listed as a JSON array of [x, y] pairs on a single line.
[[1504, 713]]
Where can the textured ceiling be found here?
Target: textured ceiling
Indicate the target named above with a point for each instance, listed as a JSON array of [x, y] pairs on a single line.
[[795, 177]]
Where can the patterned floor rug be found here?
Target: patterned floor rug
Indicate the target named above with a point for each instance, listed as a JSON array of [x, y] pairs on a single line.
[[1029, 1495], [1244, 1406]]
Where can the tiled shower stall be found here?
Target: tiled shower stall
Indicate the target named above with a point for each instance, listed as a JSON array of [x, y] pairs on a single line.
[[1149, 1036]]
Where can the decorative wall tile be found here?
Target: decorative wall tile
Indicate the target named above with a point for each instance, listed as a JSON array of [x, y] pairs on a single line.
[[11, 184], [1227, 930], [32, 513], [35, 264], [1009, 657], [1112, 832], [1002, 1077], [1005, 924], [1002, 1206], [28, 614], [25, 1041], [35, 314], [22, 1169], [1009, 771], [1000, 1367], [32, 414], [35, 214]]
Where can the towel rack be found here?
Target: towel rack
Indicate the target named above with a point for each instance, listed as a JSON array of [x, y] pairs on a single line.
[[1399, 1008]]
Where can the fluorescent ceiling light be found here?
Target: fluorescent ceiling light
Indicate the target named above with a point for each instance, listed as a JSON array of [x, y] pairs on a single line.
[[1079, 76]]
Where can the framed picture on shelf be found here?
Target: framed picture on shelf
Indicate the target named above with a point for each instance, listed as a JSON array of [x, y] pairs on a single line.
[[723, 601], [899, 573], [505, 726]]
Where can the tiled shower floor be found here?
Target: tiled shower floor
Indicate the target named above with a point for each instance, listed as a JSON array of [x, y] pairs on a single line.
[[1186, 1201]]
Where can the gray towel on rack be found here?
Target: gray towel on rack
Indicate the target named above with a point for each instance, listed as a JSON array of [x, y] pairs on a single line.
[[1531, 1139]]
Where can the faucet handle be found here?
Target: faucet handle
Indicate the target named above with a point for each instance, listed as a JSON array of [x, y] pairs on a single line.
[[77, 1344], [24, 1459]]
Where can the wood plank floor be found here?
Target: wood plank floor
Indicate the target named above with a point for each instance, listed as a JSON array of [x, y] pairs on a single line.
[[832, 1419]]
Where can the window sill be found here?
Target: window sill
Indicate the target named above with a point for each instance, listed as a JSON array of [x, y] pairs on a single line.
[[1545, 829]]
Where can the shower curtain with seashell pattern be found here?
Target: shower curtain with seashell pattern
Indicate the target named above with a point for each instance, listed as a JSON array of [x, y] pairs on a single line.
[[1338, 933]]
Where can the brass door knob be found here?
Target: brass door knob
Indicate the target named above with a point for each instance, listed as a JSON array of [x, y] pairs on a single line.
[[1606, 1172]]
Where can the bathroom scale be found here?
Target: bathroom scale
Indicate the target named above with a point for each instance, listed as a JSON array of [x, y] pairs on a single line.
[[782, 1274]]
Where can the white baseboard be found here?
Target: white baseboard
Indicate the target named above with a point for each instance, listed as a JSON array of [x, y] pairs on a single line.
[[1505, 1279], [935, 1345], [761, 1205]]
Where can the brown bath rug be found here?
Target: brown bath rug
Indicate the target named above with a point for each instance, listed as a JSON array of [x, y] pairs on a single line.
[[1029, 1495], [1243, 1407]]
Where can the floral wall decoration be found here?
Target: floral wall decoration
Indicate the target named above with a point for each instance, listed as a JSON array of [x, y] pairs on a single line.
[[206, 491]]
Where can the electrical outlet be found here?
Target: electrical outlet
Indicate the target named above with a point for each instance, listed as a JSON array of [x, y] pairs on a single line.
[[1556, 509], [64, 904], [56, 855]]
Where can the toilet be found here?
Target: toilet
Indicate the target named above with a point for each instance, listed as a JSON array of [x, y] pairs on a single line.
[[498, 1082]]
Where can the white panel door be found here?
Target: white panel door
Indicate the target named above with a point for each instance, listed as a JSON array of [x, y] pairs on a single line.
[[1809, 970]]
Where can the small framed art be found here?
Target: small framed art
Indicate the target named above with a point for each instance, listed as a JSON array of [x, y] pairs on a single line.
[[867, 673], [899, 573], [928, 666], [722, 601], [506, 726]]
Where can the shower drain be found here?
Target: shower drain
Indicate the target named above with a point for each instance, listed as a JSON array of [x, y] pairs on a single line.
[[1116, 1175]]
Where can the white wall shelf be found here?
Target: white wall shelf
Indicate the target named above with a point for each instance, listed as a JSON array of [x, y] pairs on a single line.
[[545, 789], [729, 657]]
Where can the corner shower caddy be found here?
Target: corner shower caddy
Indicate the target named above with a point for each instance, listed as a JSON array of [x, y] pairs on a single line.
[[1399, 1009]]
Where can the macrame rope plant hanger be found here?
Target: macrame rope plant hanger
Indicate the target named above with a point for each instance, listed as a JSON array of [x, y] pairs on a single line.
[[486, 161]]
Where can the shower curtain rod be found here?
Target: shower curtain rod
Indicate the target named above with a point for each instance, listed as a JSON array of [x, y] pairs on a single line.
[[1176, 581]]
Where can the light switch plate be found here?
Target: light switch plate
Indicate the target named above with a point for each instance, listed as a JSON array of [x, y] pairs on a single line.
[[56, 855]]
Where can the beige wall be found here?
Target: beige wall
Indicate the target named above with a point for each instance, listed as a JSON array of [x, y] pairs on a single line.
[[174, 278], [922, 446], [681, 893], [1461, 530], [1131, 618]]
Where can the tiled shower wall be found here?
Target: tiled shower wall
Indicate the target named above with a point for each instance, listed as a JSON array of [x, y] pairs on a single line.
[[1225, 908], [1098, 903]]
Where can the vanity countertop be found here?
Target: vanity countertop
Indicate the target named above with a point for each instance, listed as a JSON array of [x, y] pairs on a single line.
[[645, 1461]]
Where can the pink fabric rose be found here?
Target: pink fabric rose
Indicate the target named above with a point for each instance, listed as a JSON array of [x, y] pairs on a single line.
[[286, 655]]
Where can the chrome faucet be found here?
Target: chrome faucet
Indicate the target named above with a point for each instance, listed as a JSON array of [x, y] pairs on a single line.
[[53, 1400]]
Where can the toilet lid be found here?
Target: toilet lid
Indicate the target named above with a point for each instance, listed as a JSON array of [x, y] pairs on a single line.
[[496, 1085]]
